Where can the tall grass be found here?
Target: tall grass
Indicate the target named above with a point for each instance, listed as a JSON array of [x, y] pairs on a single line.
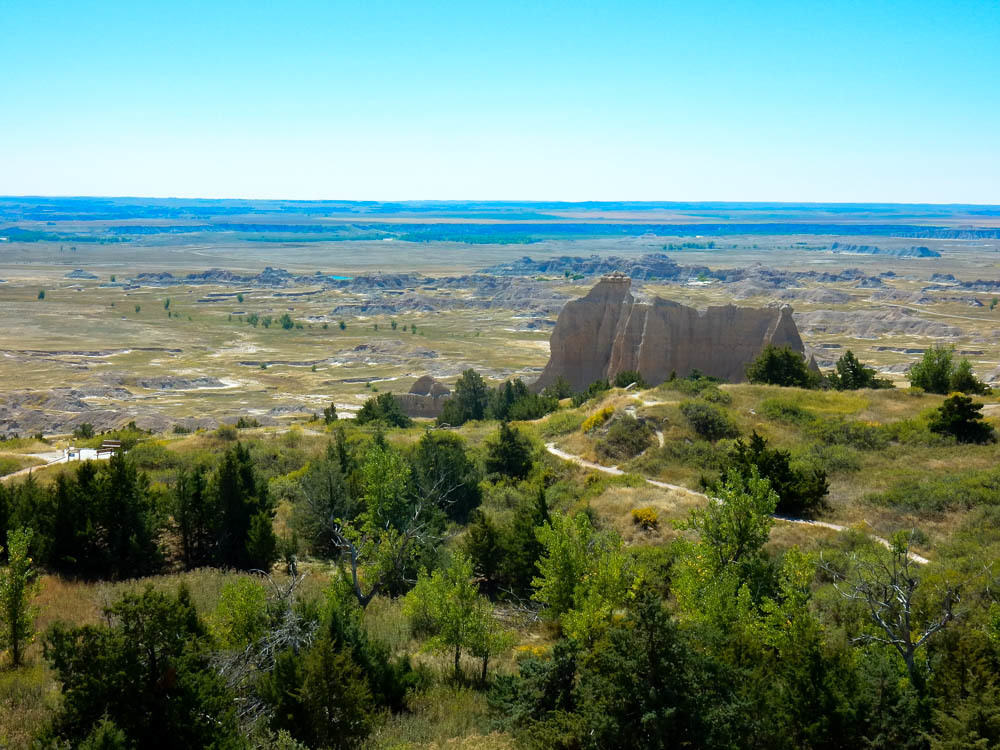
[[445, 716]]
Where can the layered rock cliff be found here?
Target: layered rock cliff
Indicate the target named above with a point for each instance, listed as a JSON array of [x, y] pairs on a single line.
[[425, 399], [607, 332]]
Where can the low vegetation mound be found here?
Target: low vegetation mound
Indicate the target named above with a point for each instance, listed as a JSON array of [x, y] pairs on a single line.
[[626, 437]]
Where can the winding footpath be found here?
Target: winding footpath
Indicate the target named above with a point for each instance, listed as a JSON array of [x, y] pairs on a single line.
[[614, 470]]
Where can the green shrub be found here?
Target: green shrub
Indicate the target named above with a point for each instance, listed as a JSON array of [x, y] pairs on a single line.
[[509, 453], [963, 379], [383, 408], [782, 366], [561, 423], [860, 435], [699, 453], [626, 378], [693, 384], [716, 395], [226, 432], [594, 389], [800, 490], [830, 459], [946, 492], [914, 431], [850, 375], [782, 410], [709, 421], [559, 389], [154, 455], [962, 419], [627, 437]]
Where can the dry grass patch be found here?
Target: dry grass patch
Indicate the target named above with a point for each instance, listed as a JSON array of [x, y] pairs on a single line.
[[11, 462], [63, 600], [614, 508], [443, 717], [785, 535], [28, 699]]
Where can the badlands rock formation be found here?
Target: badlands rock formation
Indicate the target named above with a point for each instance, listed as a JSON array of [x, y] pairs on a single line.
[[607, 332], [425, 399]]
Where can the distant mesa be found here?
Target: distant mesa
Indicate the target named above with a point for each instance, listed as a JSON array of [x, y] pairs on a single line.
[[607, 332], [647, 267], [425, 399], [896, 252]]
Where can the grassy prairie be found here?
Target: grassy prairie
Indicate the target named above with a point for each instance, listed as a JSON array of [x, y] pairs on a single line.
[[85, 332], [867, 441]]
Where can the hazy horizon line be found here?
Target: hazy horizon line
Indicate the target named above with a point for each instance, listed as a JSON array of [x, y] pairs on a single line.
[[516, 201]]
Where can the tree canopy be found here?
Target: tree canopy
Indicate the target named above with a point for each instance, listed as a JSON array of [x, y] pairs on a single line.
[[782, 366]]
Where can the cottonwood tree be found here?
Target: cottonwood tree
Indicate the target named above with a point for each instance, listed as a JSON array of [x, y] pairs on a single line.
[[933, 371], [728, 557], [379, 547], [905, 613], [18, 586], [584, 574], [446, 606]]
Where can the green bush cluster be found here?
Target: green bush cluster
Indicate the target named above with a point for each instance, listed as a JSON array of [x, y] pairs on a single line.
[[385, 409], [781, 410], [627, 437], [937, 372], [593, 390], [472, 399], [860, 435], [782, 366], [954, 491], [800, 491], [709, 421]]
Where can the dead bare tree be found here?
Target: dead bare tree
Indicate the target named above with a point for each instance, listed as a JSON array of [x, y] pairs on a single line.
[[888, 584], [241, 669]]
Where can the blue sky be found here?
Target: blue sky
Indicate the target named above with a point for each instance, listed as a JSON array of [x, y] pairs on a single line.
[[797, 101]]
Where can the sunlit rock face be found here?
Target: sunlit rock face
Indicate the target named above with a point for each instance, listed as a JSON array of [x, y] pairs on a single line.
[[607, 332], [425, 399]]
